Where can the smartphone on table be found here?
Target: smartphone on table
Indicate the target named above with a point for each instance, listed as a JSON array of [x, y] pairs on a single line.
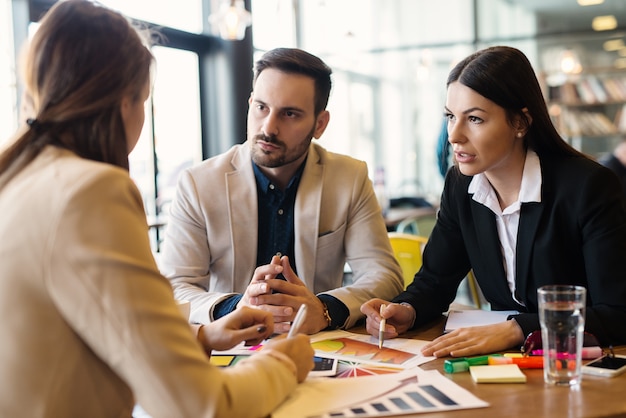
[[606, 366], [324, 367]]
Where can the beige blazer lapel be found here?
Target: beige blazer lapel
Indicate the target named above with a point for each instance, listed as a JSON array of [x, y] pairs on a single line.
[[243, 218], [307, 217]]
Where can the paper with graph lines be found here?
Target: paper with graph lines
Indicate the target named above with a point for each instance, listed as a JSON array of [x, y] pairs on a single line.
[[406, 392]]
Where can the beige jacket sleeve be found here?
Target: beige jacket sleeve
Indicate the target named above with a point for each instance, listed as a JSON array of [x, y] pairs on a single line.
[[104, 281]]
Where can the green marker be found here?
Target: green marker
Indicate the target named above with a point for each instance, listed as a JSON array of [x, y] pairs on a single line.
[[463, 364]]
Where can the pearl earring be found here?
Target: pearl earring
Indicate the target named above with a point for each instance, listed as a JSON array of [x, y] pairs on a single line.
[[519, 134]]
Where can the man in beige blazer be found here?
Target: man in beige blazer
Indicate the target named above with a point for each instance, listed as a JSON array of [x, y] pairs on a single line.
[[280, 193]]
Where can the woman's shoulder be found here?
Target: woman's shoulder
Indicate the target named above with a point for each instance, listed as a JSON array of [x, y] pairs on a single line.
[[68, 173], [577, 176], [82, 170], [573, 167]]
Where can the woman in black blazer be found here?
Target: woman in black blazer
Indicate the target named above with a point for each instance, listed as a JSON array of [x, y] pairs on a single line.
[[521, 208]]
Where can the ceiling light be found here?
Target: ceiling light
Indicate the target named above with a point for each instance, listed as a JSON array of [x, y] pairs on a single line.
[[570, 63], [589, 2], [231, 20], [600, 23], [613, 45]]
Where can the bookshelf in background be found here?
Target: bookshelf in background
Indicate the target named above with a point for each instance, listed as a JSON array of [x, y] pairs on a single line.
[[589, 110]]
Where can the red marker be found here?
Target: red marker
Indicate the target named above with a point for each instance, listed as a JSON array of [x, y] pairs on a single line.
[[534, 362]]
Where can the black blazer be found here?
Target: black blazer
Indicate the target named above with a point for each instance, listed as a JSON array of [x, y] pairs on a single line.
[[576, 235]]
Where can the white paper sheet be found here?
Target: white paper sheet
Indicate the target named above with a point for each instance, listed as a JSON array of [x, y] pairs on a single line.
[[407, 392], [390, 355], [475, 317]]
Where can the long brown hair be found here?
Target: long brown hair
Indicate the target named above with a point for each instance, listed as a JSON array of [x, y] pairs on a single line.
[[81, 62]]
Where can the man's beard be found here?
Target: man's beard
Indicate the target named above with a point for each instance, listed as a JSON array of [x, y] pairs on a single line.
[[266, 159]]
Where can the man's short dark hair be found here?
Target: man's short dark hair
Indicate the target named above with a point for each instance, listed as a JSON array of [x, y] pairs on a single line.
[[297, 61]]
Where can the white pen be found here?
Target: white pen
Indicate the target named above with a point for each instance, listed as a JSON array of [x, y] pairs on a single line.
[[297, 321], [381, 330]]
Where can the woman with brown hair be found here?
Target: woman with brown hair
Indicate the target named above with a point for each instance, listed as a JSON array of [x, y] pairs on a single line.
[[90, 327]]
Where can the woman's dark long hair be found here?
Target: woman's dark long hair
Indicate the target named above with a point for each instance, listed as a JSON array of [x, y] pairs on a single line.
[[504, 75], [81, 62]]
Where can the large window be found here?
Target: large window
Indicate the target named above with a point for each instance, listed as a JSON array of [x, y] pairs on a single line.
[[185, 15], [171, 139]]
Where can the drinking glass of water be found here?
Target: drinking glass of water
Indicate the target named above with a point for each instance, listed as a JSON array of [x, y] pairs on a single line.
[[562, 319]]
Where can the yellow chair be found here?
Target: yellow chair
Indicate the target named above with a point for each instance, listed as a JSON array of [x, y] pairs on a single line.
[[474, 289], [408, 251]]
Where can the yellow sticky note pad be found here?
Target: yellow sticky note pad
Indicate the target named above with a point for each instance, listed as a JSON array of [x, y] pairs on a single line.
[[502, 373], [221, 361]]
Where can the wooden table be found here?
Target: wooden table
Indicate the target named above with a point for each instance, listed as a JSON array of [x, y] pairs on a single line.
[[596, 396]]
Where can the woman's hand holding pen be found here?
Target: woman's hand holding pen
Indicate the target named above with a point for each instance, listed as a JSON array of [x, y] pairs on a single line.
[[244, 324], [398, 317], [299, 349]]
